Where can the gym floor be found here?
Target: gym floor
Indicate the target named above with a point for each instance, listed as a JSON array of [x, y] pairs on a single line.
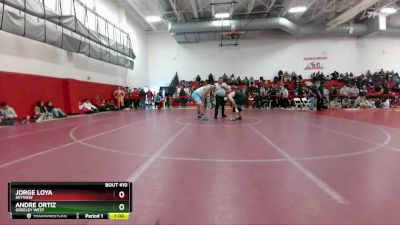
[[273, 167]]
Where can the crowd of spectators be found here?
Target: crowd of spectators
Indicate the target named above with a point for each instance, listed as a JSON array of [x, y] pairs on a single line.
[[337, 90], [322, 91]]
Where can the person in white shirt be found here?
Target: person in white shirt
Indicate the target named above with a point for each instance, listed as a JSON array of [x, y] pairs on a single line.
[[284, 97], [354, 91], [8, 116], [386, 104], [365, 103], [344, 90], [87, 107]]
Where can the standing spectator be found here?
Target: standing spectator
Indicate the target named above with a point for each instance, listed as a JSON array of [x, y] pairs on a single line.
[[119, 95], [57, 112], [284, 97], [316, 96], [8, 116], [150, 97], [168, 101], [136, 98], [183, 97], [142, 95], [128, 98]]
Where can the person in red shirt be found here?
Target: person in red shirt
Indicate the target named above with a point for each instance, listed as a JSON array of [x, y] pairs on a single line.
[[150, 96], [97, 101], [136, 98]]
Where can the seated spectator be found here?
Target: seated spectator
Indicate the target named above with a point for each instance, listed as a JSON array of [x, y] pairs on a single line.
[[110, 106], [232, 80], [246, 81], [87, 107], [252, 82], [378, 103], [287, 77], [280, 75], [365, 103], [99, 103], [358, 100], [353, 90], [210, 79], [103, 106], [344, 91], [335, 103], [150, 97], [187, 91], [386, 103], [257, 101], [159, 100], [294, 77], [198, 78], [385, 89], [41, 112], [183, 97], [333, 91], [8, 116], [225, 77], [346, 103], [238, 80], [363, 90], [57, 112]]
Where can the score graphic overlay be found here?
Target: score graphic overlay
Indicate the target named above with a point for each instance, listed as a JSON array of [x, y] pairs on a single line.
[[70, 200]]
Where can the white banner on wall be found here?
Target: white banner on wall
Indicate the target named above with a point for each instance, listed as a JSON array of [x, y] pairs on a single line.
[[315, 62]]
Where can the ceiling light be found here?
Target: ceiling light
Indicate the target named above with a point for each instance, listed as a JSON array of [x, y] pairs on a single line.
[[153, 19], [298, 9], [388, 10], [219, 23], [222, 15]]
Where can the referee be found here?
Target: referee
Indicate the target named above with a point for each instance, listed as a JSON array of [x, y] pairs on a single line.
[[220, 94]]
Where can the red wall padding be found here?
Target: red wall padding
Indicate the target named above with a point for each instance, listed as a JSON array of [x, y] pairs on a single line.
[[78, 90], [22, 91]]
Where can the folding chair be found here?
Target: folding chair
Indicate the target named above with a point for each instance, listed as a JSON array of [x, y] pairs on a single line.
[[306, 103], [298, 104]]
